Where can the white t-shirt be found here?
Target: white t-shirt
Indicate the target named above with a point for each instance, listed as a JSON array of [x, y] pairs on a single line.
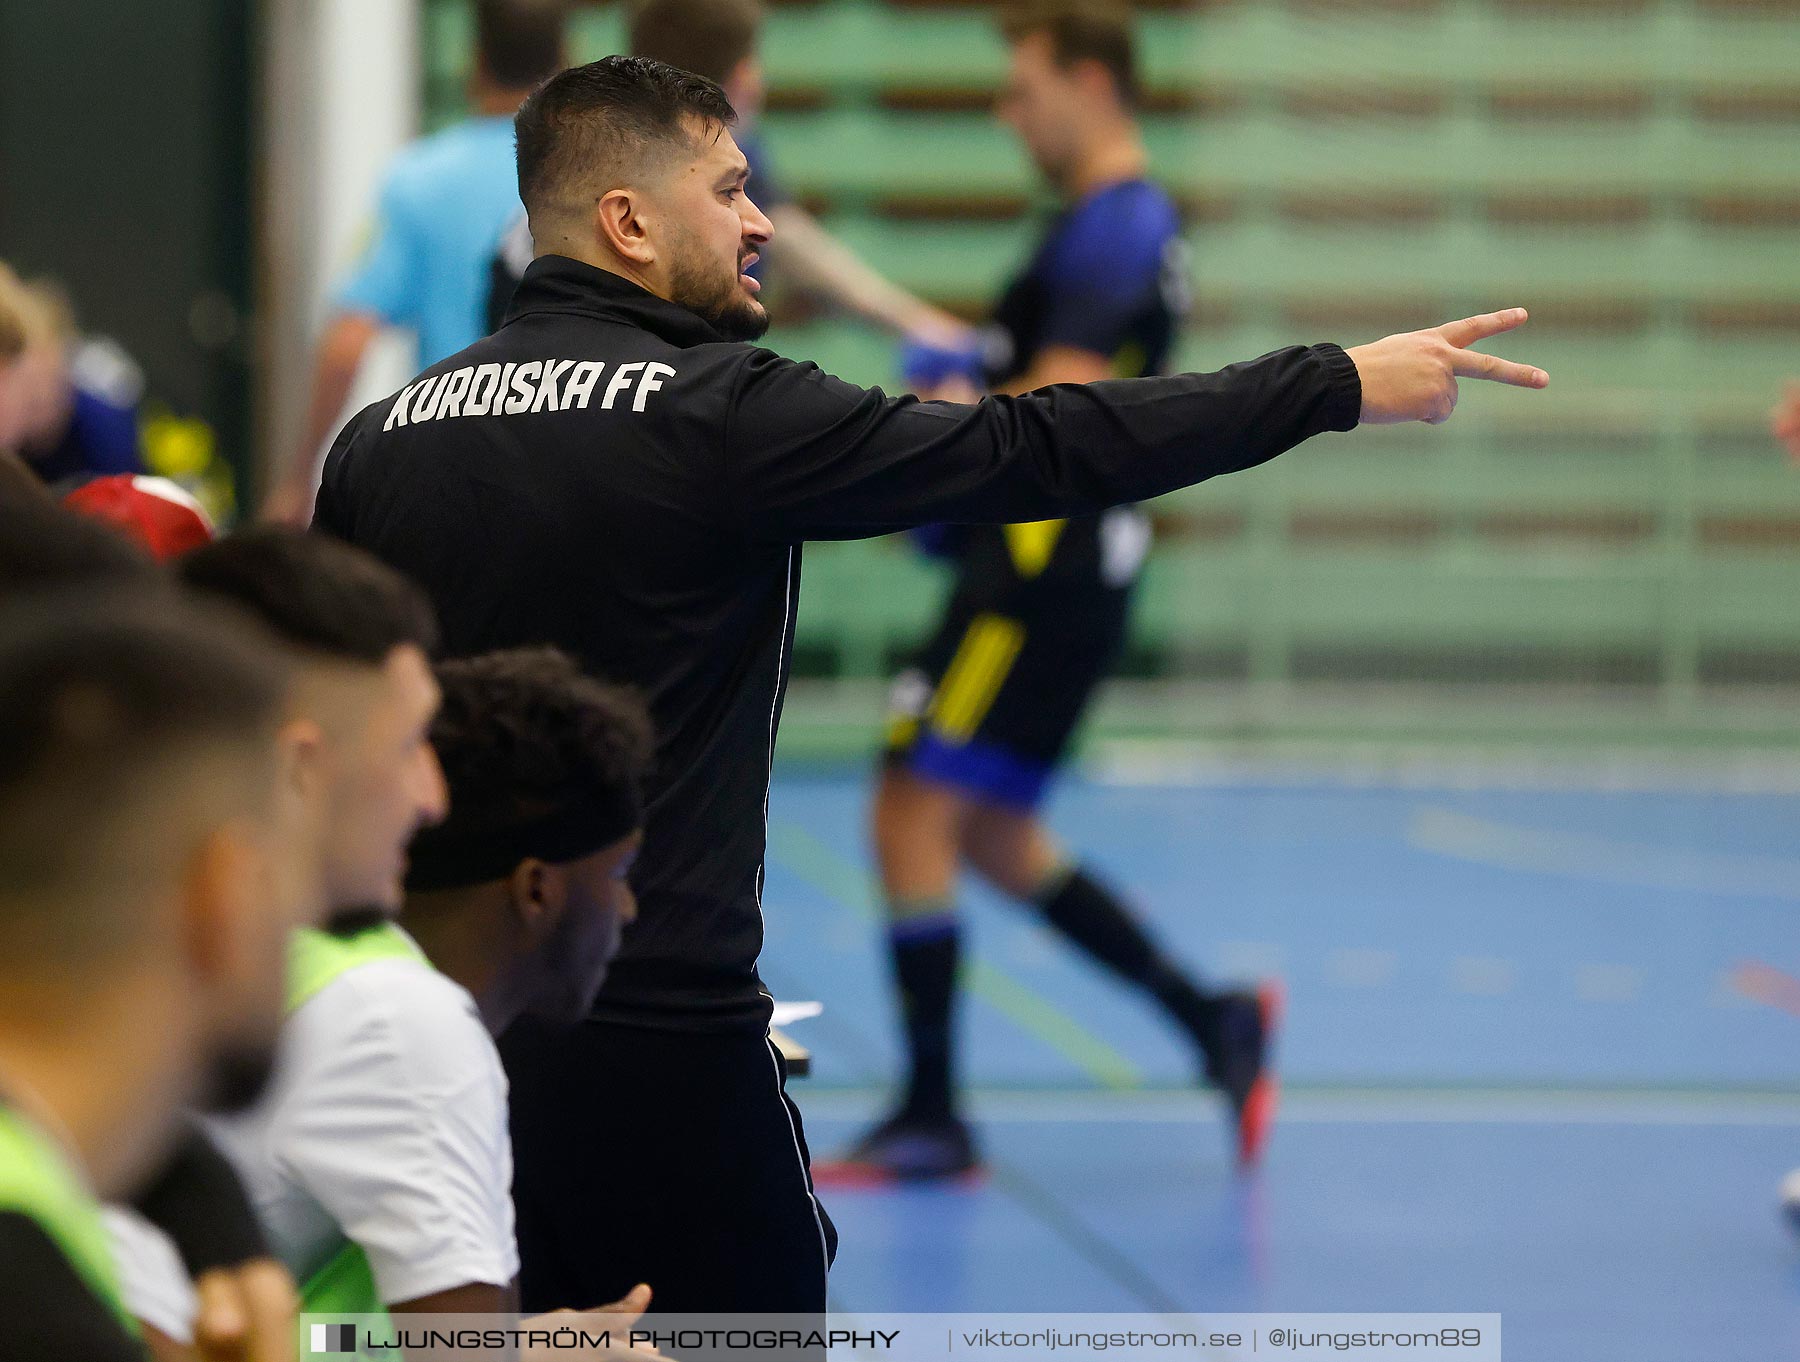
[[385, 1125]]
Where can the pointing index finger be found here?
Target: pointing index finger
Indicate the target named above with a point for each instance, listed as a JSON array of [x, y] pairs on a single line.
[[1471, 329]]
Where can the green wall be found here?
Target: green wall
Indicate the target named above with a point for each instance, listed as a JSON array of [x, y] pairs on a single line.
[[1627, 170]]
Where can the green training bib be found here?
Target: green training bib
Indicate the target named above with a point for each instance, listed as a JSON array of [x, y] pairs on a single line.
[[345, 1285], [37, 1180]]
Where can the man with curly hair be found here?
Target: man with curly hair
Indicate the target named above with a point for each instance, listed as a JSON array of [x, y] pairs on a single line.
[[521, 894]]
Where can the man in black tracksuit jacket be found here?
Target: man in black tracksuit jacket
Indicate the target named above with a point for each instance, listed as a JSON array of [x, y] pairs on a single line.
[[614, 472]]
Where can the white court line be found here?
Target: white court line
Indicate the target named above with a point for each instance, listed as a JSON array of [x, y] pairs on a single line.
[[1597, 983], [1362, 967], [1485, 976], [1548, 1106], [1582, 856], [1203, 765]]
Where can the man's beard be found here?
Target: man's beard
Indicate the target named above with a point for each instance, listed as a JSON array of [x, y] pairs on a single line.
[[718, 300]]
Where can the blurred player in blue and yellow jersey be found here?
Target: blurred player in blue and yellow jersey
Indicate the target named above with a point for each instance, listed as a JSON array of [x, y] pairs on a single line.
[[1038, 613]]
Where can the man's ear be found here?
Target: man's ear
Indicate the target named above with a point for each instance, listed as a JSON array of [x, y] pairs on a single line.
[[619, 219], [220, 888], [305, 759], [539, 894]]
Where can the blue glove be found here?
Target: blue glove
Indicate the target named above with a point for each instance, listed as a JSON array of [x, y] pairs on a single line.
[[926, 366]]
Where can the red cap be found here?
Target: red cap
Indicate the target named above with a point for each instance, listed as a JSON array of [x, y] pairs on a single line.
[[154, 511]]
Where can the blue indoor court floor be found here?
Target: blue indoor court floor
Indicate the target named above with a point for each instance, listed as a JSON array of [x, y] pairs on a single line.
[[1542, 1052]]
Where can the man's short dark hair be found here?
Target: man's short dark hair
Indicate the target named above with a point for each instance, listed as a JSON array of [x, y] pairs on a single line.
[[520, 42], [314, 593], [708, 37], [1081, 30], [593, 128], [115, 704], [44, 545], [525, 739]]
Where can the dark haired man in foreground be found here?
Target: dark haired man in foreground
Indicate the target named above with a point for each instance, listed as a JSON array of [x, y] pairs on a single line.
[[611, 472], [151, 871], [246, 1297]]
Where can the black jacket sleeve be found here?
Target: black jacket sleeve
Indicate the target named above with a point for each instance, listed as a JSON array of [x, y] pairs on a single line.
[[197, 1200], [50, 1314], [809, 456], [331, 511]]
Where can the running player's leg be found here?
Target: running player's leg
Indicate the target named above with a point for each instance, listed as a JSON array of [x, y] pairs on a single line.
[[1231, 1029], [915, 827], [914, 822], [999, 744], [1014, 852], [980, 721]]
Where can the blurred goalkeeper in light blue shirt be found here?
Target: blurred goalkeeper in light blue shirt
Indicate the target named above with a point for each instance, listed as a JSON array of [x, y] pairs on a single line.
[[444, 201]]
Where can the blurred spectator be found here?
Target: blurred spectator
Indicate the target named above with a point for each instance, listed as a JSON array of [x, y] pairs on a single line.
[[15, 478], [12, 324], [54, 385], [12, 349], [74, 399], [444, 202]]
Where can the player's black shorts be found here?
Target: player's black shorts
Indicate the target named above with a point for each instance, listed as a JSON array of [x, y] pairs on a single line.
[[1034, 624]]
